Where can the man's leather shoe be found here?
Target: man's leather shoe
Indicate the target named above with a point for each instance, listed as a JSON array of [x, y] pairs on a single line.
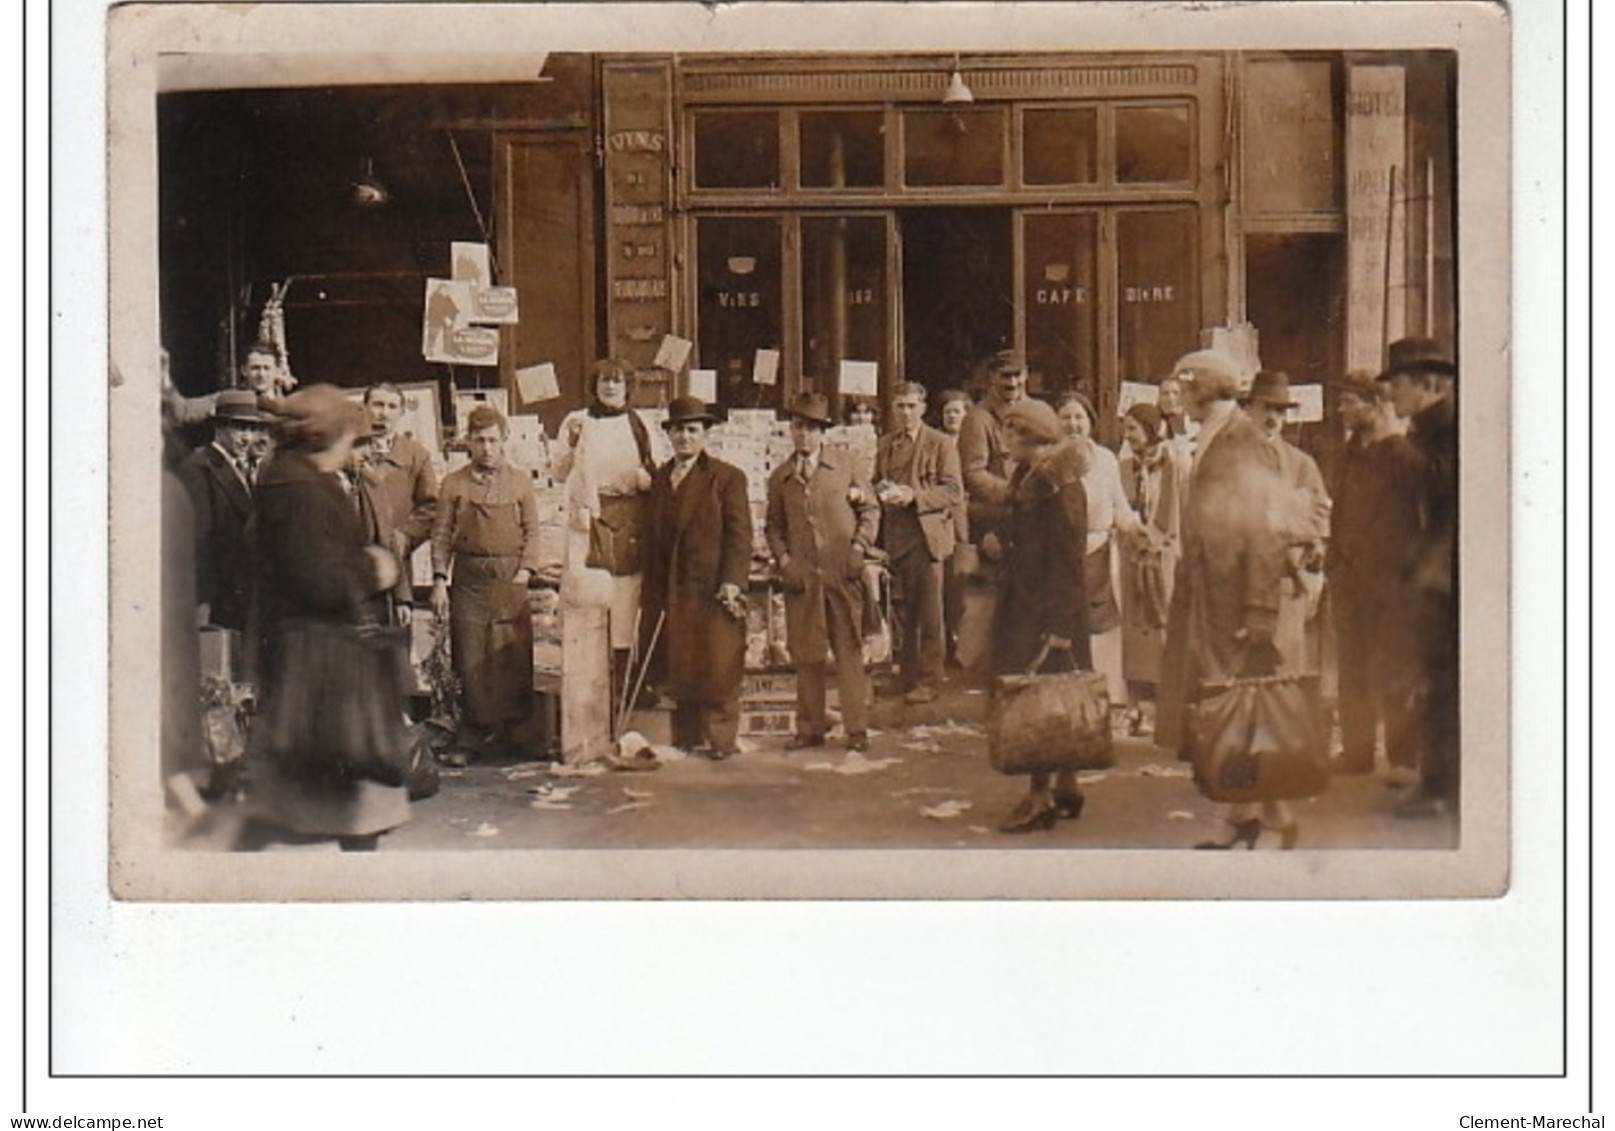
[[858, 743]]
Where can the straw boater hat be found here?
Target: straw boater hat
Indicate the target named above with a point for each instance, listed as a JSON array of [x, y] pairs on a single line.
[[1271, 387], [813, 408], [684, 409], [1417, 355]]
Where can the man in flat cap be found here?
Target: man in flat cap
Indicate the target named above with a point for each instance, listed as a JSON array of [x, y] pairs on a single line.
[[1374, 529], [984, 461], [1422, 380], [822, 519], [697, 559]]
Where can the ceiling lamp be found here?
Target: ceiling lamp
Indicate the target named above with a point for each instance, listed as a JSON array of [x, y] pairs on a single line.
[[958, 91], [368, 191]]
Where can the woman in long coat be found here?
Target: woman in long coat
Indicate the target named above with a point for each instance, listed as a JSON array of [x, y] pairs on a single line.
[[316, 567], [1042, 603], [1152, 473], [698, 550]]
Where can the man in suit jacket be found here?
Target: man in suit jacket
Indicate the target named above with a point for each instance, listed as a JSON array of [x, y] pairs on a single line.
[[697, 560], [221, 478], [918, 485], [402, 468], [822, 517]]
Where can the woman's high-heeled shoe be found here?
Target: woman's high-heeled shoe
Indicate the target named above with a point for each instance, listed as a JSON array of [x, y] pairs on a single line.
[[1288, 834], [1245, 832], [1035, 813], [1068, 803]]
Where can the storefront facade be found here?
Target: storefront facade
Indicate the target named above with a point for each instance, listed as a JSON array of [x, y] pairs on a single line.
[[1103, 214]]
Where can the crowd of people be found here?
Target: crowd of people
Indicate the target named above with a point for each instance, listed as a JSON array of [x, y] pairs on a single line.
[[1207, 550]]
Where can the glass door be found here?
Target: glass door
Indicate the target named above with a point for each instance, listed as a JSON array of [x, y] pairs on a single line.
[[846, 298]]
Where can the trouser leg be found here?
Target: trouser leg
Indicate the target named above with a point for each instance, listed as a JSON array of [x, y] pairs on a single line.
[[810, 698]]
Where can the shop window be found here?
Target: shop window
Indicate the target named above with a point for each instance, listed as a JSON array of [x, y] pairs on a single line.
[[1154, 144], [1062, 301], [737, 149], [842, 149], [844, 300], [738, 308], [1060, 146], [1291, 137], [1157, 301], [953, 147]]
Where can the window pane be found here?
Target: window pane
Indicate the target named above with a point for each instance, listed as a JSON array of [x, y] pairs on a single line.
[[1062, 302], [1153, 144], [737, 149], [1158, 320], [843, 149], [1060, 146], [843, 296], [738, 313], [953, 147], [1290, 137]]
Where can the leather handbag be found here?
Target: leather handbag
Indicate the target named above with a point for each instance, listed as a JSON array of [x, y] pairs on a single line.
[[1047, 721], [336, 709], [1259, 739]]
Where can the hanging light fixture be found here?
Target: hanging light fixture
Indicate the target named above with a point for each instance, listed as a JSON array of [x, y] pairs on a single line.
[[367, 191], [958, 91]]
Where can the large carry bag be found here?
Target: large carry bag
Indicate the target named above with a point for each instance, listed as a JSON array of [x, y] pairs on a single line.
[[1259, 740], [1043, 722]]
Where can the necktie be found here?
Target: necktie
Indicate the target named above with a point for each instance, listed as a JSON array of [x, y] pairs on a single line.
[[804, 467], [680, 470]]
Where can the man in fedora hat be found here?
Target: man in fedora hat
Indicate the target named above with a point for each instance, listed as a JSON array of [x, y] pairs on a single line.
[[1422, 381], [1373, 529], [697, 559], [822, 518], [1302, 519], [221, 478]]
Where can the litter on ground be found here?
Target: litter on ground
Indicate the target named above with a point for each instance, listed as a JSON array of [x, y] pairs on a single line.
[[854, 764], [627, 807], [586, 770], [552, 792], [484, 829], [1156, 770], [637, 794], [1089, 777], [1180, 815], [944, 810], [546, 803], [982, 829]]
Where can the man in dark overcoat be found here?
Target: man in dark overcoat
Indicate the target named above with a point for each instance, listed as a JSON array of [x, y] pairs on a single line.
[[1423, 388], [822, 519], [918, 485], [221, 479], [697, 561], [1374, 529], [1225, 601], [402, 468]]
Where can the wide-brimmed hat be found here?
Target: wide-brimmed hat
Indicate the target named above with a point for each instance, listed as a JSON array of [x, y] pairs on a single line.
[[1213, 365], [813, 408], [1417, 355], [1271, 387], [239, 406], [685, 409]]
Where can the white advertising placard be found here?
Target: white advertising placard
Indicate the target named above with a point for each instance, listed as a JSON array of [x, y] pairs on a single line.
[[765, 370], [859, 378], [674, 352], [1310, 400], [704, 384], [538, 382], [468, 263], [1135, 392], [447, 336], [496, 305]]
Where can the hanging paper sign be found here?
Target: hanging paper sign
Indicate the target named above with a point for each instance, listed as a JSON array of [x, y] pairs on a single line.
[[1135, 392], [470, 263], [525, 445], [1310, 400], [474, 345], [538, 382], [494, 304], [447, 305], [467, 399], [704, 384], [674, 352], [765, 370], [859, 378]]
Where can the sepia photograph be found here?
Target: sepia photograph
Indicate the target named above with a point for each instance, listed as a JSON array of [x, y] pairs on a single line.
[[762, 469]]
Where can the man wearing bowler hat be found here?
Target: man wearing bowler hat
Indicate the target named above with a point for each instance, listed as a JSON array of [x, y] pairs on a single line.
[[221, 478], [697, 559], [822, 518], [1301, 518], [1422, 380]]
